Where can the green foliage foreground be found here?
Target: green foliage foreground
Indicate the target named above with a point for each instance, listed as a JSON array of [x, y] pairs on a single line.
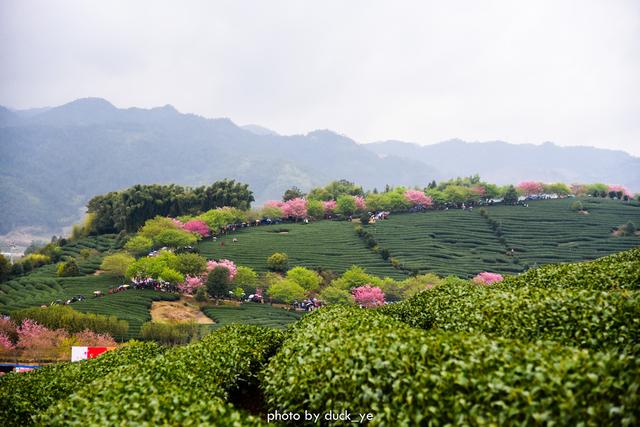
[[23, 396], [349, 359], [188, 385]]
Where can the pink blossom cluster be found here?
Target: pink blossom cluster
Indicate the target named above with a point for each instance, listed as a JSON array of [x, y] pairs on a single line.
[[621, 189], [5, 342], [329, 206], [368, 296], [198, 227], [486, 278], [416, 198], [479, 190], [228, 264], [296, 208], [273, 204], [177, 222], [191, 285], [94, 339], [529, 188], [34, 338], [361, 205]]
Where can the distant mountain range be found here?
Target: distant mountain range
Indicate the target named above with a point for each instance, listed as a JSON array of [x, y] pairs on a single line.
[[53, 160], [504, 163]]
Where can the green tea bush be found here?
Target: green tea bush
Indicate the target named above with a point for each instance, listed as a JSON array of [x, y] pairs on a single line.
[[349, 359], [576, 317], [170, 333], [65, 317], [24, 395], [185, 386], [617, 271]]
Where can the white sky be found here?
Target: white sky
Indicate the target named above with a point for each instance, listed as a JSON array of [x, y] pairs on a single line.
[[420, 71]]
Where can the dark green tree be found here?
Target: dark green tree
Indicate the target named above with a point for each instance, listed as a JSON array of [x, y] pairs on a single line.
[[218, 283], [5, 268], [292, 193], [69, 268], [511, 195]]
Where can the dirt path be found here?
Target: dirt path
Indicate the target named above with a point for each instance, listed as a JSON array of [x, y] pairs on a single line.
[[177, 311]]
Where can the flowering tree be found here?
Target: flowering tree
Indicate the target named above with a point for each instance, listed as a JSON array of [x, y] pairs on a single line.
[[5, 342], [620, 189], [273, 204], [529, 188], [479, 190], [416, 198], [191, 285], [329, 206], [361, 205], [486, 278], [296, 208], [91, 338], [229, 265], [198, 227], [368, 296], [177, 222]]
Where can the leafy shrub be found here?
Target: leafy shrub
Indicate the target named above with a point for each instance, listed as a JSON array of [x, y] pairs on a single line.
[[286, 291], [117, 264], [576, 317], [24, 395], [68, 269], [185, 386], [404, 376], [617, 271], [309, 280], [278, 262], [201, 295], [65, 317], [170, 333]]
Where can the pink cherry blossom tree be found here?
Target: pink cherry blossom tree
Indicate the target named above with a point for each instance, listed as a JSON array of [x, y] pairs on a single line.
[[620, 189], [296, 208], [5, 342], [486, 278], [416, 198], [529, 188], [273, 204], [361, 205], [95, 339], [177, 222], [191, 285], [198, 227], [228, 264], [368, 296], [329, 206]]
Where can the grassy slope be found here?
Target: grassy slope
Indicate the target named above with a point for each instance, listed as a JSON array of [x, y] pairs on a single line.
[[328, 244], [548, 232], [251, 314], [444, 242]]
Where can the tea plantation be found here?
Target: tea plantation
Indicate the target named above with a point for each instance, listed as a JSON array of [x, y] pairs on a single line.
[[452, 242], [548, 232], [557, 345], [332, 245], [251, 314]]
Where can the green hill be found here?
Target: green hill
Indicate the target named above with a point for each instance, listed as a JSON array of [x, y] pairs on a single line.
[[451, 242]]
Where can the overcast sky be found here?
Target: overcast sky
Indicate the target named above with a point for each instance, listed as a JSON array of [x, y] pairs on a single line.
[[420, 71]]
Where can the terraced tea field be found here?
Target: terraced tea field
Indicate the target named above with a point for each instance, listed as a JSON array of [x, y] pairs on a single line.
[[444, 242], [132, 305], [549, 232], [251, 314], [329, 244]]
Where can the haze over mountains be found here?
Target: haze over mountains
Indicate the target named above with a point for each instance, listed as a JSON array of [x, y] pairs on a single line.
[[53, 160]]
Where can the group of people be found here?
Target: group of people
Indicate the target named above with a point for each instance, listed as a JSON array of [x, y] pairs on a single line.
[[154, 285], [306, 305]]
